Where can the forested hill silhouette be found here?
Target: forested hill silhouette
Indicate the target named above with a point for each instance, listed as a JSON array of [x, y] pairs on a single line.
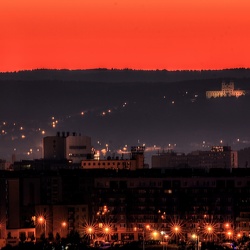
[[123, 107], [125, 75]]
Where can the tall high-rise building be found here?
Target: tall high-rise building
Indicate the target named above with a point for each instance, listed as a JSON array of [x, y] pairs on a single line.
[[66, 146]]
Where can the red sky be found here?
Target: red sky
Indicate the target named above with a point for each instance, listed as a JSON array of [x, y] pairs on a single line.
[[138, 34]]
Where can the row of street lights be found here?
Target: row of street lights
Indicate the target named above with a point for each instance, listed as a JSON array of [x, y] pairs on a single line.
[[41, 220], [207, 233], [102, 226]]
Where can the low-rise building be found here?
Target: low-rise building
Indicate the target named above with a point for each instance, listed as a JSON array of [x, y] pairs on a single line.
[[136, 161], [217, 157]]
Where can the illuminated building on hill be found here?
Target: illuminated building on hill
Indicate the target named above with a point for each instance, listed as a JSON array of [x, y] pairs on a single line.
[[227, 90]]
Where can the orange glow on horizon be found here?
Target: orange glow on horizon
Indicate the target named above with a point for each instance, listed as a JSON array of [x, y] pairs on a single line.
[[153, 34]]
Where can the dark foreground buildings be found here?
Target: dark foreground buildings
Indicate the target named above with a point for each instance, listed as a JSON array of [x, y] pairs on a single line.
[[205, 193], [122, 204]]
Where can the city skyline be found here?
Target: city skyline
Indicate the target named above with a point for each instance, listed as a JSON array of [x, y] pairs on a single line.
[[151, 86], [172, 35]]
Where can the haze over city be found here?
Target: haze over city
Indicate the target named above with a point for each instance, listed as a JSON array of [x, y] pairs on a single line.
[[122, 108]]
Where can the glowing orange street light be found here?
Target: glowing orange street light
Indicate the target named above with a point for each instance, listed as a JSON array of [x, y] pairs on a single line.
[[64, 224], [106, 230], [155, 234], [90, 231], [176, 230], [42, 220]]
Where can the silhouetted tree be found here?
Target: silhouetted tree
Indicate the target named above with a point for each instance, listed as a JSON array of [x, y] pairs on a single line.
[[22, 237], [50, 237], [74, 237], [32, 238], [42, 237], [58, 237], [9, 235]]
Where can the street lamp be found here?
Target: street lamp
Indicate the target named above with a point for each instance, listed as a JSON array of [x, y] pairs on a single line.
[[228, 230], [107, 232], [196, 238], [229, 234], [163, 235], [210, 230], [90, 231], [147, 227], [176, 230], [42, 221], [238, 236], [63, 226]]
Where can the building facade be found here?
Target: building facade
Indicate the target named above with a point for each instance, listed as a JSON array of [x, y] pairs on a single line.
[[217, 157], [73, 147], [121, 204], [136, 161], [227, 90]]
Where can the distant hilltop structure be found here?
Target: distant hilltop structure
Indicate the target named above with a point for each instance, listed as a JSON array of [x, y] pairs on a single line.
[[227, 90]]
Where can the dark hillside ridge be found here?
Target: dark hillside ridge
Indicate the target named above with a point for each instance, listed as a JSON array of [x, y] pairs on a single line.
[[126, 75], [152, 107]]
